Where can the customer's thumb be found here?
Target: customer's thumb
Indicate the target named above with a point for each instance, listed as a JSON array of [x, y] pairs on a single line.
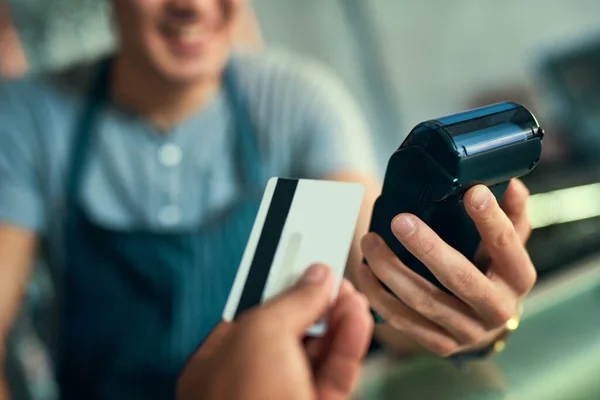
[[305, 302]]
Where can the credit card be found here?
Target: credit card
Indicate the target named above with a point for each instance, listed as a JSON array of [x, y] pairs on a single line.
[[300, 222]]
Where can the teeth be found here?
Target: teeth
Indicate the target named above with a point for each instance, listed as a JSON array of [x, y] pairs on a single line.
[[190, 31]]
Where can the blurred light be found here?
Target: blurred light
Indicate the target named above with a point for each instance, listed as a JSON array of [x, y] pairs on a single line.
[[512, 324], [565, 205], [499, 346]]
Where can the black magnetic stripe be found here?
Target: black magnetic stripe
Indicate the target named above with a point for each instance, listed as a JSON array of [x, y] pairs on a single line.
[[267, 244]]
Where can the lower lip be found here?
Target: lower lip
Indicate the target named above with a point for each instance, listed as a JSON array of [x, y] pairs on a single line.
[[187, 48]]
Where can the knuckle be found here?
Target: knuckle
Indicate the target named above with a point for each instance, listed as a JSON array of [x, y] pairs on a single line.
[[424, 302], [395, 321], [499, 315], [465, 279], [486, 296], [426, 245], [505, 238], [498, 309]]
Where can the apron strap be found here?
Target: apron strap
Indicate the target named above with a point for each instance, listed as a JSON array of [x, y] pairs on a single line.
[[84, 130], [246, 138], [245, 135]]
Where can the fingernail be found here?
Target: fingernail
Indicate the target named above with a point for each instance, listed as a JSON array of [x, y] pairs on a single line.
[[314, 274], [403, 225], [371, 242], [480, 197]]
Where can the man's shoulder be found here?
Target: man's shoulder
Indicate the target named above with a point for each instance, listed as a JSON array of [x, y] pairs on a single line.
[[41, 107], [67, 83], [75, 79]]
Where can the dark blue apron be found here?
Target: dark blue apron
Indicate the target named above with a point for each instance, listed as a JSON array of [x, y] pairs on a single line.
[[137, 303]]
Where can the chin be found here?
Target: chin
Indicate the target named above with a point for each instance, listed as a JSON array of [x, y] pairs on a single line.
[[176, 65], [190, 72]]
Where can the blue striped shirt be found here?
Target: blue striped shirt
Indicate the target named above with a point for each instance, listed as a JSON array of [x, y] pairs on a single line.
[[307, 124]]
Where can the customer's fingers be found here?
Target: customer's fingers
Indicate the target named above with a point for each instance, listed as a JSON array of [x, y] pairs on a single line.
[[303, 304], [316, 347], [350, 330]]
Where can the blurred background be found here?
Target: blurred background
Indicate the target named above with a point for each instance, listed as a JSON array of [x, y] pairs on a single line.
[[408, 61]]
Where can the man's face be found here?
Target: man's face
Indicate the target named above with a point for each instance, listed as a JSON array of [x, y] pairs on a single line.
[[182, 40]]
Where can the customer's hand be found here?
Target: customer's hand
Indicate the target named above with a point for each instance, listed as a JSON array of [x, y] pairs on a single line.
[[484, 302], [263, 354]]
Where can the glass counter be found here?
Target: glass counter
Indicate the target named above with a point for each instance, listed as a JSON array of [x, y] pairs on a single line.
[[555, 353]]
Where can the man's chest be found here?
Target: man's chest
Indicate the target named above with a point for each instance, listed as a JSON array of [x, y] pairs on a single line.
[[135, 178]]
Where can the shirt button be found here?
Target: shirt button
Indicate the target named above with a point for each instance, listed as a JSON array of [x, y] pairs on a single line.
[[170, 155], [169, 215]]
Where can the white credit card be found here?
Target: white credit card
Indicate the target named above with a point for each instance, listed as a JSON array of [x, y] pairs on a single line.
[[300, 222]]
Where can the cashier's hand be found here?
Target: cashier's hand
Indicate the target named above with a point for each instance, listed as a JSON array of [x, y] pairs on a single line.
[[484, 302], [263, 354]]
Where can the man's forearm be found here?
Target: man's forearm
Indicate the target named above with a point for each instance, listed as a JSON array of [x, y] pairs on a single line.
[[13, 63], [16, 254], [17, 250], [11, 293]]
